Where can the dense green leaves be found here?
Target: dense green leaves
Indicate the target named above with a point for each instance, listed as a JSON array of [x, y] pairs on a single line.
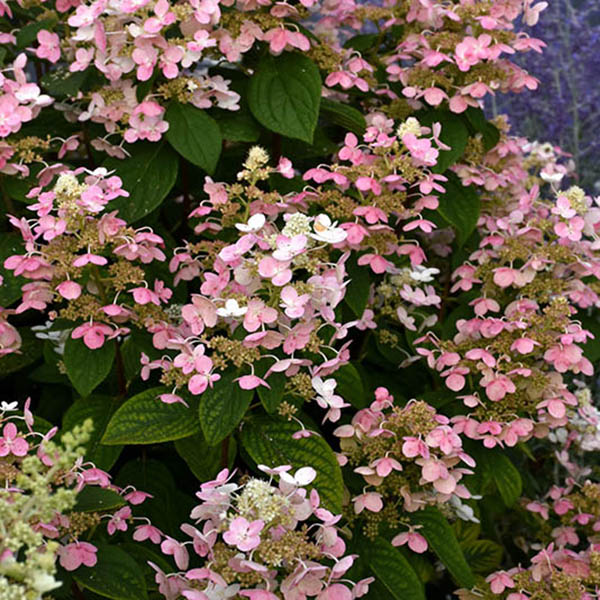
[[270, 442], [443, 542], [194, 134], [284, 95], [86, 368], [393, 571], [145, 419], [222, 408], [148, 175], [116, 575]]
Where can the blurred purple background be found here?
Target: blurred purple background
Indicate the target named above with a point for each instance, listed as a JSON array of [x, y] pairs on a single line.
[[565, 110]]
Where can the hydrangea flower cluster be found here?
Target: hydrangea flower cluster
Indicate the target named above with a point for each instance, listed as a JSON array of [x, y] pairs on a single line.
[[536, 265], [261, 540], [84, 258], [149, 53], [279, 284], [407, 455], [39, 520]]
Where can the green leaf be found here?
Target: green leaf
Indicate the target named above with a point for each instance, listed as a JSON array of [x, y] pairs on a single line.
[[284, 95], [62, 83], [222, 408], [483, 556], [505, 475], [443, 542], [362, 42], [195, 135], [269, 441], [99, 409], [271, 397], [28, 34], [591, 349], [10, 290], [116, 575], [460, 207], [94, 498], [489, 132], [454, 133], [357, 293], [343, 115], [466, 531], [350, 386], [145, 419], [394, 572], [86, 368], [238, 126], [148, 175], [30, 351], [202, 459]]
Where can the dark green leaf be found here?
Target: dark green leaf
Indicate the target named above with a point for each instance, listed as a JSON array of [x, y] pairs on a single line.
[[94, 498], [30, 351], [116, 575], [269, 441], [361, 42], [343, 115], [99, 409], [484, 556], [61, 83], [454, 133], [350, 386], [505, 475], [394, 572], [238, 126], [195, 135], [222, 408], [202, 459], [271, 397], [145, 419], [489, 132], [284, 95], [87, 368], [28, 33], [443, 542], [148, 175], [591, 349], [359, 288], [460, 207], [10, 290]]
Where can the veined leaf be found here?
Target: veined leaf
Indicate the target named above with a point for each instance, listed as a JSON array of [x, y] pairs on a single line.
[[270, 442], [284, 95], [145, 419], [443, 542]]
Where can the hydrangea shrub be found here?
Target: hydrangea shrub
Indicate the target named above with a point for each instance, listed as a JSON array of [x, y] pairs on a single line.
[[313, 326]]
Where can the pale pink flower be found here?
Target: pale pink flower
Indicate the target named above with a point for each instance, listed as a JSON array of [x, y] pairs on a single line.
[[11, 442], [75, 554], [244, 535]]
